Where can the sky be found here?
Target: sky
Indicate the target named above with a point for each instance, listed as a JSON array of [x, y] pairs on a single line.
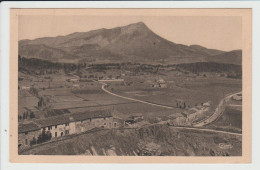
[[216, 32]]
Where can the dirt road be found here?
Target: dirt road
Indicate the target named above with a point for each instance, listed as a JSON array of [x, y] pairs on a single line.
[[217, 113], [128, 98]]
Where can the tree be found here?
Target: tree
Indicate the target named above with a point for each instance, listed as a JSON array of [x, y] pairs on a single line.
[[33, 142], [44, 136], [32, 115], [19, 58]]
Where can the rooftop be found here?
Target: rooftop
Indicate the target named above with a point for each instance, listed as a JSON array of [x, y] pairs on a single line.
[[137, 114], [28, 127], [62, 119], [91, 114], [53, 120]]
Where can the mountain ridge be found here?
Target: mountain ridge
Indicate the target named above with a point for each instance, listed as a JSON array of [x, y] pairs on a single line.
[[133, 42]]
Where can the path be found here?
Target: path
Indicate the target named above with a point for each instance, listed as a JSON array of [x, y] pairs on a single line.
[[208, 130], [128, 98], [217, 113]]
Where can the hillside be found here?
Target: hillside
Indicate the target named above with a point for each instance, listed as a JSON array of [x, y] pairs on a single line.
[[232, 57], [211, 67], [158, 140], [134, 43], [39, 66]]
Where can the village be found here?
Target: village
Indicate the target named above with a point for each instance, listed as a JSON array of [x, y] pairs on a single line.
[[53, 105]]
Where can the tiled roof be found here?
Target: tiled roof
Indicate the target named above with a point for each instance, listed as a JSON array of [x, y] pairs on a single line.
[[53, 120], [27, 127], [119, 115], [91, 114], [62, 119], [136, 114]]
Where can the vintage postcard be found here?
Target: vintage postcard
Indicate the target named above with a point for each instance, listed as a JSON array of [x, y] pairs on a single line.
[[130, 85]]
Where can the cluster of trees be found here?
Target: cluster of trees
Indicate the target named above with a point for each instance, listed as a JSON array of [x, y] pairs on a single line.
[[26, 115], [41, 67], [211, 67], [34, 92], [181, 105], [42, 102], [43, 137]]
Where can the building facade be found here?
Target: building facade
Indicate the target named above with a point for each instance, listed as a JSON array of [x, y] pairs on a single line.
[[27, 133], [62, 125]]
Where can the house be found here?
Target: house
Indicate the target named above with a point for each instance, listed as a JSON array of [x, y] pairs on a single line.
[[160, 84], [237, 97], [25, 87], [179, 121], [92, 119], [57, 125], [207, 104], [180, 103], [75, 85], [73, 80], [161, 81], [111, 80], [119, 118], [27, 133], [135, 117], [62, 125]]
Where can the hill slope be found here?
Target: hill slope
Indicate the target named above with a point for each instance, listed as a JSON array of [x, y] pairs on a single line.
[[232, 57]]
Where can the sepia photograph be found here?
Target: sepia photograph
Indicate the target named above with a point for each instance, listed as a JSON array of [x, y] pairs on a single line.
[[136, 83]]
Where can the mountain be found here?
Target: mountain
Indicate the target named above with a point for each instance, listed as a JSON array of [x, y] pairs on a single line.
[[134, 43], [210, 52], [232, 57]]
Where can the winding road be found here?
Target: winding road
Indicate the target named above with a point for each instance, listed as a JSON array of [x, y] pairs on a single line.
[[218, 112], [208, 130], [128, 98]]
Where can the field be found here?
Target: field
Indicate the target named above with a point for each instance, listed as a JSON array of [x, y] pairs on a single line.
[[194, 90], [158, 89], [26, 101]]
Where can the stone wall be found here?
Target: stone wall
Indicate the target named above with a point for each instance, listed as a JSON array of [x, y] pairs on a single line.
[[24, 139]]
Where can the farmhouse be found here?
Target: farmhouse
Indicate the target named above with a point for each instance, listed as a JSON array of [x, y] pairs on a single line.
[[27, 133], [237, 97], [135, 117], [160, 84], [25, 87], [61, 125], [57, 125], [89, 120], [207, 104], [73, 80]]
